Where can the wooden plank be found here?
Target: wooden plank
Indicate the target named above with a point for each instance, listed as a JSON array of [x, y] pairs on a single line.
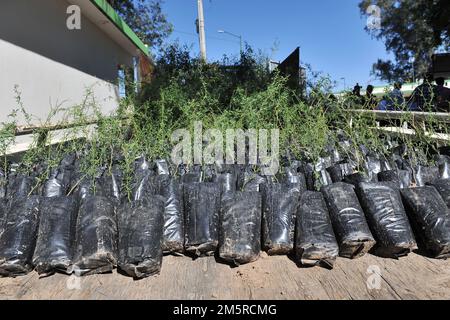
[[25, 142], [412, 277], [442, 137]]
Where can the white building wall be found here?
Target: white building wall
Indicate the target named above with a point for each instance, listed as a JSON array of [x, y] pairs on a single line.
[[51, 65]]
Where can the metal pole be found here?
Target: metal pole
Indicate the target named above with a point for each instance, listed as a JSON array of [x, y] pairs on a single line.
[[242, 48], [201, 27]]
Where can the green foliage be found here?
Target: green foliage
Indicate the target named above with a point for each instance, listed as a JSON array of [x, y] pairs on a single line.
[[146, 18], [189, 91], [221, 79]]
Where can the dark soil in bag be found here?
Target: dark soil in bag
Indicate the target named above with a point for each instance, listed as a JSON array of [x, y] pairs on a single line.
[[250, 181], [145, 182], [349, 223], [430, 219], [60, 178], [19, 236], [208, 173], [53, 187], [3, 208], [96, 237], [389, 176], [162, 167], [19, 186], [110, 183], [294, 178], [308, 170], [280, 204], [443, 163], [387, 219], [443, 187], [141, 227], [172, 191], [56, 236], [339, 171], [425, 175], [227, 181], [201, 205], [194, 175], [373, 167], [405, 178], [355, 179], [240, 227], [3, 184], [315, 242], [324, 179]]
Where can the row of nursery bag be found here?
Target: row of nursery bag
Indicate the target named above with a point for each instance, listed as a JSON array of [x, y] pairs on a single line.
[[85, 226]]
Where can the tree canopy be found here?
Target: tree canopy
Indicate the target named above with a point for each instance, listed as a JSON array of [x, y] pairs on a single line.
[[146, 18], [412, 30]]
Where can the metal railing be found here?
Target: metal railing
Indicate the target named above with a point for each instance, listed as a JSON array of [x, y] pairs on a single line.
[[402, 115], [411, 122]]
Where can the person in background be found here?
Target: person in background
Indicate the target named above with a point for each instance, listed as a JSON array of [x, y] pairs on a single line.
[[395, 99], [443, 96], [359, 99], [370, 99], [424, 96], [357, 90]]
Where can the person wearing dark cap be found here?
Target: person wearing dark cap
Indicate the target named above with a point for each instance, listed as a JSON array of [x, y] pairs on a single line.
[[424, 96], [443, 96]]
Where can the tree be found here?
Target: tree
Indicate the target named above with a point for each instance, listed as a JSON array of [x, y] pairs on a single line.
[[412, 30], [146, 18]]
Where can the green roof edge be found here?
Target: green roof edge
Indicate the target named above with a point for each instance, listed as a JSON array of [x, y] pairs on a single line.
[[108, 11]]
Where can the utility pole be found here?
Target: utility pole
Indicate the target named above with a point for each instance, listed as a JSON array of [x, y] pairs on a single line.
[[201, 30]]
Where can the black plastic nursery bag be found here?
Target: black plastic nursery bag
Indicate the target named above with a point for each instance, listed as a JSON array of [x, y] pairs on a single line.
[[280, 203], [141, 226], [240, 227], [349, 223], [201, 205], [96, 237], [18, 239], [172, 191], [387, 219], [430, 219], [315, 242], [443, 187], [56, 236]]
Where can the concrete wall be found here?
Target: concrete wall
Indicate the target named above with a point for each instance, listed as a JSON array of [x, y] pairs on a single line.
[[51, 65]]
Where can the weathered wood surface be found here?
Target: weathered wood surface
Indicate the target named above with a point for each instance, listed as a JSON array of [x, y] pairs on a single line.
[[413, 277]]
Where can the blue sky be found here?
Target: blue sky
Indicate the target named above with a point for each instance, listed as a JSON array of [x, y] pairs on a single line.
[[330, 33]]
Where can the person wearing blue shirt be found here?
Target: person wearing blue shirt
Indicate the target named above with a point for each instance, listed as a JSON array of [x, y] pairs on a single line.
[[395, 99], [424, 96]]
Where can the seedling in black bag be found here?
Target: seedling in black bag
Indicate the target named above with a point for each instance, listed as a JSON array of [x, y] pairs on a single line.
[[387, 219], [18, 240], [141, 225], [240, 227], [201, 205], [315, 242], [349, 222], [430, 219]]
